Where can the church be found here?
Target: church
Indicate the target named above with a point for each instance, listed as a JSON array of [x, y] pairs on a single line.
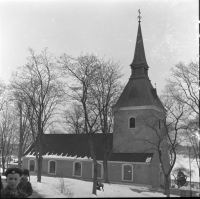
[[134, 159]]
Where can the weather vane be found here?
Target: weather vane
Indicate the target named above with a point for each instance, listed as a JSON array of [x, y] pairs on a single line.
[[139, 17]]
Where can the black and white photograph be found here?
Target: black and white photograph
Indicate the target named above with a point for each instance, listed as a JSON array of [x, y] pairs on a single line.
[[99, 98]]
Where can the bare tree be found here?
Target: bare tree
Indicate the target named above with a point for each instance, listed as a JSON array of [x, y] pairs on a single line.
[[73, 118], [183, 86], [193, 137], [8, 134], [25, 137], [55, 129], [2, 94], [105, 91], [168, 129], [38, 86], [82, 71]]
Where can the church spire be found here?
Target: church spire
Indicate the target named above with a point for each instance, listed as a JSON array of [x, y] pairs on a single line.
[[139, 60]]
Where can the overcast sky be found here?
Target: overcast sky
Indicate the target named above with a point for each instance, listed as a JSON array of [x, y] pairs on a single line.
[[106, 28]]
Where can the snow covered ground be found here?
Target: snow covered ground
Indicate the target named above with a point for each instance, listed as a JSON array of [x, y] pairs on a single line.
[[83, 189], [50, 188]]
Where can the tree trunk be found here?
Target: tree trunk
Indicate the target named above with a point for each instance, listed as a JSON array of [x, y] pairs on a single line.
[[2, 156], [167, 185], [39, 163], [20, 138], [40, 158], [107, 152], [36, 153], [3, 163], [39, 172], [93, 155], [105, 168], [94, 190], [7, 162]]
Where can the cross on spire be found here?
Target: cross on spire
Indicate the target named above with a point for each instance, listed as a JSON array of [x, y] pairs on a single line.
[[139, 60], [139, 17]]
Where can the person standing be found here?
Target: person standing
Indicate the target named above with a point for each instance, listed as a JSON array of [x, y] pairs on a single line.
[[181, 178], [11, 191], [180, 174], [25, 185]]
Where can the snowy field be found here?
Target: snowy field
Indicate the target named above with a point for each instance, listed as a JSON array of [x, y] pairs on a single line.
[[83, 189], [50, 187]]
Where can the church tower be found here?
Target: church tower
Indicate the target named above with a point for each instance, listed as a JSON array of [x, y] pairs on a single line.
[[138, 101], [138, 114]]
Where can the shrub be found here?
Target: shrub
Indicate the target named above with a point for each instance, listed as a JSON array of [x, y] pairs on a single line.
[[63, 188]]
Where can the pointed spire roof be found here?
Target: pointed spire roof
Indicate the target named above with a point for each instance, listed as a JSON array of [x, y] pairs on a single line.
[[139, 90], [139, 56]]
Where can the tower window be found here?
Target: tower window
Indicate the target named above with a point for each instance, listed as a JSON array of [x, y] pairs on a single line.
[[132, 122]]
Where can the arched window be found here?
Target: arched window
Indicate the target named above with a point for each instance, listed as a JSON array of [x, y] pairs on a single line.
[[99, 170], [52, 167], [132, 122], [32, 165], [127, 173], [77, 168]]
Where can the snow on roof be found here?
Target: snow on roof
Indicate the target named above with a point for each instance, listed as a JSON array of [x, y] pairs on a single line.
[[148, 159], [59, 156]]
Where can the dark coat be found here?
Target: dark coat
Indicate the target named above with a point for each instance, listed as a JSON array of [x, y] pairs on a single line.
[[5, 193], [181, 175], [25, 186]]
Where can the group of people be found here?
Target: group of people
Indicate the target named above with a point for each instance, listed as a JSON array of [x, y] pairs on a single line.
[[18, 185]]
